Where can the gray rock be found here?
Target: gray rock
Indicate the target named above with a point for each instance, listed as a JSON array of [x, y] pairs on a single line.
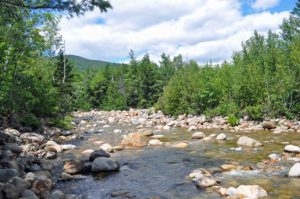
[[10, 192], [104, 164], [249, 142], [28, 194], [73, 166], [274, 156], [56, 195], [250, 191], [221, 136], [206, 182], [7, 174], [12, 132], [32, 137], [13, 148], [198, 135], [295, 170], [98, 153], [20, 184]]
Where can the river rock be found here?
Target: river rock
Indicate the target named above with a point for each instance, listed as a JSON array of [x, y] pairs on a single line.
[[56, 194], [155, 142], [157, 136], [13, 148], [221, 136], [180, 145], [104, 164], [292, 149], [10, 191], [117, 131], [249, 191], [98, 153], [268, 125], [145, 132], [295, 170], [198, 135], [106, 147], [7, 174], [274, 157], [135, 140], [228, 167], [12, 132], [73, 166], [20, 184], [206, 182], [28, 194], [54, 147], [32, 137], [42, 184], [87, 152], [191, 128], [66, 147], [246, 141]]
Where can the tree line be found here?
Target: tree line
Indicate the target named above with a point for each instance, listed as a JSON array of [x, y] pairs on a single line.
[[40, 85]]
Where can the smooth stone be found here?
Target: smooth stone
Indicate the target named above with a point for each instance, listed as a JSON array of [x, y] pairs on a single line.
[[106, 147], [7, 174], [56, 194], [180, 145], [54, 145], [206, 182], [135, 140], [32, 137], [42, 184], [198, 135], [10, 191], [274, 157], [13, 148], [73, 166], [221, 136], [12, 132], [66, 147], [251, 191], [20, 184], [28, 194], [249, 142], [292, 149], [98, 153], [104, 164], [295, 170], [191, 128], [155, 142], [268, 125], [228, 167]]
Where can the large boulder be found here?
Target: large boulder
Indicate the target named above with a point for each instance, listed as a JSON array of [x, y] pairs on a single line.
[[249, 142], [98, 153], [292, 149], [104, 164], [32, 137], [10, 191], [295, 170], [73, 166], [198, 135], [135, 140]]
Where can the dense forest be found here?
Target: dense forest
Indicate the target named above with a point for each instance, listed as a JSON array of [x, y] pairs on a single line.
[[39, 85]]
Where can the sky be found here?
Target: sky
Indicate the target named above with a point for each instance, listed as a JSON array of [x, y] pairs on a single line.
[[202, 30]]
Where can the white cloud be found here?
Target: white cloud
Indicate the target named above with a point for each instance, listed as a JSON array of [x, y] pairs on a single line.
[[265, 4], [198, 29]]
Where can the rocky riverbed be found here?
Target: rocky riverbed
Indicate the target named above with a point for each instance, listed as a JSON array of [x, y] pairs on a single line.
[[145, 154]]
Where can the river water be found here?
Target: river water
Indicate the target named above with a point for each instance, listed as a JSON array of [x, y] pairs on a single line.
[[160, 172]]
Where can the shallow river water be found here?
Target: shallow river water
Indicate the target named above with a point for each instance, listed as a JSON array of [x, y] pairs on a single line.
[[160, 171]]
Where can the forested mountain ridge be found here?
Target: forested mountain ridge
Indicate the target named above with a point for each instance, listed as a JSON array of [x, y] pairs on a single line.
[[82, 63]]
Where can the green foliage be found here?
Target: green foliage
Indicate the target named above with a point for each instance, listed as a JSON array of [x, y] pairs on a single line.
[[254, 112], [63, 122], [233, 120]]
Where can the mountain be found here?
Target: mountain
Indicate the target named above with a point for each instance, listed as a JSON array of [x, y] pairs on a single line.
[[84, 64]]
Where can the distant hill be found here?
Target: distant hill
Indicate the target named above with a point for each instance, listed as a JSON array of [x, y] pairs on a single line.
[[83, 63]]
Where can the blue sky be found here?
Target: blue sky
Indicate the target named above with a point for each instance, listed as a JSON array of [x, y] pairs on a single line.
[[202, 30]]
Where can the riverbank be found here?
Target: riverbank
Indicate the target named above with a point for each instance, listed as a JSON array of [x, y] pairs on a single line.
[[44, 165]]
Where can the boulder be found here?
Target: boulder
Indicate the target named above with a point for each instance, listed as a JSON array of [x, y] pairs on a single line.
[[249, 191], [10, 191], [249, 142], [135, 140], [221, 136], [7, 174], [13, 148], [98, 153], [12, 132], [206, 182], [145, 132], [295, 170], [268, 125], [54, 147], [292, 149], [56, 194], [20, 184], [42, 184], [198, 135], [155, 142], [73, 166], [106, 147], [104, 164], [28, 194], [32, 137]]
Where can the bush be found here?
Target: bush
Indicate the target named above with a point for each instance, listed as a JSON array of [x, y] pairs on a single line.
[[223, 109], [254, 112], [31, 120], [232, 120]]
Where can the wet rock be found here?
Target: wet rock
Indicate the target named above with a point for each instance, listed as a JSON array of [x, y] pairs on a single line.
[[20, 184], [66, 147], [28, 194], [106, 147], [87, 152], [13, 148], [135, 140], [198, 135], [295, 170], [104, 164], [249, 142], [73, 166], [50, 155], [98, 153], [144, 132], [155, 142], [10, 191], [206, 182], [249, 191], [180, 145], [56, 195], [54, 147], [32, 137], [228, 167], [268, 125], [292, 149], [191, 128], [198, 174], [7, 174], [117, 131], [29, 177], [221, 136], [66, 176], [274, 157], [42, 184]]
